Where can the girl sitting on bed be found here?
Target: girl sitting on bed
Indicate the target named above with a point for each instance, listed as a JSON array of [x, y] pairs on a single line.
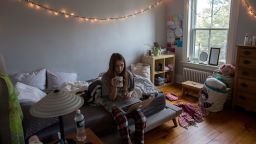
[[118, 85]]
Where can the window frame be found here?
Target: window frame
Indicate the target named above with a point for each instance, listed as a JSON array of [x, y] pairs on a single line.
[[192, 30]]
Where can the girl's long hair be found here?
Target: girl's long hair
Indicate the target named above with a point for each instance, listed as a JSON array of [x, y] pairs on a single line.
[[111, 70]]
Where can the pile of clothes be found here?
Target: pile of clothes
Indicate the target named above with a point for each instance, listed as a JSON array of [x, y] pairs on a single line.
[[191, 115]]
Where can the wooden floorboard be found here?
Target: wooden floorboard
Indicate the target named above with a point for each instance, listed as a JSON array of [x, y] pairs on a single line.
[[225, 127]]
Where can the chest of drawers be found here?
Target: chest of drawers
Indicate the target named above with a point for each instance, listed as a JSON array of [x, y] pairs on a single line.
[[245, 78]]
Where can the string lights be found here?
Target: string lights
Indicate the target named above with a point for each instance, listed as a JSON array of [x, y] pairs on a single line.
[[67, 14], [250, 9]]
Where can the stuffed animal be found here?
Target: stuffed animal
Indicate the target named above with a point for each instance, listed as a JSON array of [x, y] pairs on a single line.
[[227, 69]]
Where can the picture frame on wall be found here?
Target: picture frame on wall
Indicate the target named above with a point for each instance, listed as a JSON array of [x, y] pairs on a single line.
[[214, 56]]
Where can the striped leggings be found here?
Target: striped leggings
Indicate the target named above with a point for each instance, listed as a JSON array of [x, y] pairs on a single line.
[[123, 127]]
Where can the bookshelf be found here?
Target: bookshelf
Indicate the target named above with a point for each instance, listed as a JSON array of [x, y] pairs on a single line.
[[161, 67]]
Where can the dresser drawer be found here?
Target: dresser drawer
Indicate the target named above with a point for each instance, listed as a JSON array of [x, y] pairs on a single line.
[[246, 73], [247, 62], [247, 52], [246, 85], [246, 100]]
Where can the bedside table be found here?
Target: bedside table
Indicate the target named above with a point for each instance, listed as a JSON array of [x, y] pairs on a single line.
[[91, 138]]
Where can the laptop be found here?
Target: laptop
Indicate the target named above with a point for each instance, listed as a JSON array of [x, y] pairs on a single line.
[[133, 104]]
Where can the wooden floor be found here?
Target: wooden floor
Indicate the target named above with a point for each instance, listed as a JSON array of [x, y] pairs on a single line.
[[226, 127]]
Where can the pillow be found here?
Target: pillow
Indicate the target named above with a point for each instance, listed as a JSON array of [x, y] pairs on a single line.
[[36, 78], [141, 69], [28, 93], [56, 79]]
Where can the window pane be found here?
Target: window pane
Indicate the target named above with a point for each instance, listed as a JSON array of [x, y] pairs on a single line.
[[201, 42], [221, 13], [212, 13], [219, 40], [203, 13]]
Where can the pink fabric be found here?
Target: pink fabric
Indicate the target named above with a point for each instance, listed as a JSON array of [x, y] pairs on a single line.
[[191, 114], [171, 97]]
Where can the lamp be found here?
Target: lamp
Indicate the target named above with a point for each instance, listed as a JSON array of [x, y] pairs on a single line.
[[57, 104]]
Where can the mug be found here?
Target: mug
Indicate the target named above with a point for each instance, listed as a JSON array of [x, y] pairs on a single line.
[[119, 81]]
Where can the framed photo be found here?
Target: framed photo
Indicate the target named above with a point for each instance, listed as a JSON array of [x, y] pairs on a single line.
[[214, 56]]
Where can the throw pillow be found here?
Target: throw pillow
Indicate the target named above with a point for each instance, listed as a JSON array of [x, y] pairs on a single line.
[[56, 79], [35, 78], [28, 93]]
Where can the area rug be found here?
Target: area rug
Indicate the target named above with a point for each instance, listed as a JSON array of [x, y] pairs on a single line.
[[190, 116]]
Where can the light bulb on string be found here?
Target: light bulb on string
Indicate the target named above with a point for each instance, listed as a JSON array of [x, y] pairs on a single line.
[[50, 12], [31, 5], [66, 14], [56, 13], [38, 7], [80, 19], [63, 11]]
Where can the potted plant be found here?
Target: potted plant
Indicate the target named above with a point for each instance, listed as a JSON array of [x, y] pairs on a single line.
[[156, 49]]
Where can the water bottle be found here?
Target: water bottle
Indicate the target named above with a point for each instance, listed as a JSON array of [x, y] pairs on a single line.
[[80, 131], [246, 39]]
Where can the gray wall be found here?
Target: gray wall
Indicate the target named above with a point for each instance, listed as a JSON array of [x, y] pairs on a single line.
[[246, 23], [32, 39], [176, 8]]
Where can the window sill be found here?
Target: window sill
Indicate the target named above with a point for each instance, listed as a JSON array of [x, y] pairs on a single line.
[[205, 67]]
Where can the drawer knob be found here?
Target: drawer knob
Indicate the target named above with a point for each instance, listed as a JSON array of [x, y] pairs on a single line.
[[244, 85], [246, 62], [242, 97], [247, 53], [245, 73]]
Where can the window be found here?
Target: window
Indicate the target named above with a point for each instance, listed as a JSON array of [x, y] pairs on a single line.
[[209, 27]]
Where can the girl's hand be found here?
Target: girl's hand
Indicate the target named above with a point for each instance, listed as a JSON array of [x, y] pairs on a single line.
[[113, 82]]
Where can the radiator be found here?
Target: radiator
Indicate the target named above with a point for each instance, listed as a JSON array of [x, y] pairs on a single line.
[[195, 75]]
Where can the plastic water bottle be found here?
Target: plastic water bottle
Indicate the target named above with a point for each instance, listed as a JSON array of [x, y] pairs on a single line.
[[246, 39], [80, 131]]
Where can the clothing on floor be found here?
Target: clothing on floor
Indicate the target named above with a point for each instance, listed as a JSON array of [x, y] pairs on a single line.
[[191, 114]]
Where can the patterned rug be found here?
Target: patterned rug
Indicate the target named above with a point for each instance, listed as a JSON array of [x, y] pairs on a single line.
[[191, 115]]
